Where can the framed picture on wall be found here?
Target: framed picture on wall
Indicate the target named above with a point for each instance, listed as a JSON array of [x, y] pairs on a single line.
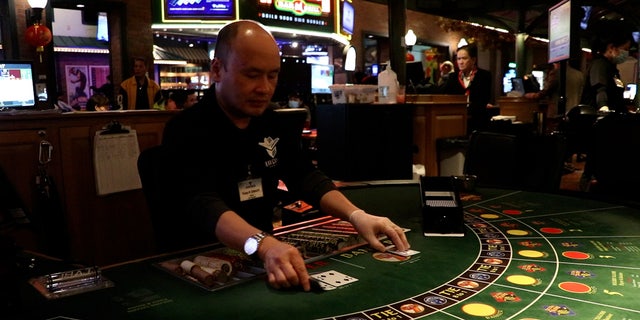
[[77, 86], [98, 76]]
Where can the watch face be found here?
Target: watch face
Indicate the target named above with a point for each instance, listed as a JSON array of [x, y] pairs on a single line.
[[251, 246]]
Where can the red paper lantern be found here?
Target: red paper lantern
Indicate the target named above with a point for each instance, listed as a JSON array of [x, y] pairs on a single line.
[[410, 57], [38, 36]]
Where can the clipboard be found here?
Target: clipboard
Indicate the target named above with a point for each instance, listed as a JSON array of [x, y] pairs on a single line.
[[115, 156]]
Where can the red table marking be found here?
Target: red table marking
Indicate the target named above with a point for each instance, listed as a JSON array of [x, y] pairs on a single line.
[[576, 255], [574, 287], [512, 212], [552, 230]]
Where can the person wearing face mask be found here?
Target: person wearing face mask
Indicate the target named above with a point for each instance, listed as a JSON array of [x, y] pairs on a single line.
[[610, 44]]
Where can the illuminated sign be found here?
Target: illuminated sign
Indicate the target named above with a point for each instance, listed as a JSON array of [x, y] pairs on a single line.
[[316, 15], [199, 9], [299, 7]]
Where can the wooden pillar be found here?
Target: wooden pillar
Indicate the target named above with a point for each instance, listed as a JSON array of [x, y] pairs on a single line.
[[48, 67], [397, 29], [521, 36]]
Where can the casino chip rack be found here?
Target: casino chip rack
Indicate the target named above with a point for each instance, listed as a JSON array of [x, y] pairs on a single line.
[[220, 267]]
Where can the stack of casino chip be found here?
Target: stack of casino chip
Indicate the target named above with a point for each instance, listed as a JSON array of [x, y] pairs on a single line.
[[208, 270], [73, 280], [321, 240]]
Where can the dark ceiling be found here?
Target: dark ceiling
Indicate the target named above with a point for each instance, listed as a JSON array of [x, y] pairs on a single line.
[[528, 16]]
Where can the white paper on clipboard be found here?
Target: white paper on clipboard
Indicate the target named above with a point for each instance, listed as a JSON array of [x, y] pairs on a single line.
[[115, 157]]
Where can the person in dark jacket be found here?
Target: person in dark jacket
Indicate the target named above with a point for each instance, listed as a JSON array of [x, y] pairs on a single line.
[[236, 154], [610, 46], [603, 89], [473, 82]]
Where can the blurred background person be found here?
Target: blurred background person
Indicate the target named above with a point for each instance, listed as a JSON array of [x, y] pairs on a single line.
[[139, 91], [98, 102], [446, 69], [107, 89], [191, 98], [574, 85]]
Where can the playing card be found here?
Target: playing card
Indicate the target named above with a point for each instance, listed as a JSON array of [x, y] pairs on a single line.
[[322, 285], [406, 253], [333, 278]]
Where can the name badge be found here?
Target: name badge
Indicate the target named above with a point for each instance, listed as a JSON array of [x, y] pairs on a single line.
[[250, 189]]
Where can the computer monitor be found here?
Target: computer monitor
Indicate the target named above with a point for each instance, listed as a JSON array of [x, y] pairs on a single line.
[[415, 72], [18, 85], [630, 91], [506, 80], [321, 78], [375, 69], [517, 84]]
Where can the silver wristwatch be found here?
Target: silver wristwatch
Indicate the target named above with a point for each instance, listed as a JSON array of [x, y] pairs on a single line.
[[253, 242]]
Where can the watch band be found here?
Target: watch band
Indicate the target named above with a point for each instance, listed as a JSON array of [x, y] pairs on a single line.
[[259, 236]]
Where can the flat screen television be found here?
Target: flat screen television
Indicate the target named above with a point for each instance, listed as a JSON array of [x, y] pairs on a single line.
[[560, 31], [102, 31], [321, 78], [348, 17], [18, 85]]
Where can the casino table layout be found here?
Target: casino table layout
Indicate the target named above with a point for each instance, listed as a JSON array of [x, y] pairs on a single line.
[[523, 256]]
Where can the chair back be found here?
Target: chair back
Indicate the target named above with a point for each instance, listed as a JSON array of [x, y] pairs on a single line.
[[614, 157], [578, 128], [492, 157], [525, 161], [541, 164], [293, 118], [170, 225]]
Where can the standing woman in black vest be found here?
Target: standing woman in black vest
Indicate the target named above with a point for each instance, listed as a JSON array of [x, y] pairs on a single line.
[[473, 82]]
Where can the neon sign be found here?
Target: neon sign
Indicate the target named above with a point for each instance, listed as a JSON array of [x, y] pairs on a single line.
[[299, 7]]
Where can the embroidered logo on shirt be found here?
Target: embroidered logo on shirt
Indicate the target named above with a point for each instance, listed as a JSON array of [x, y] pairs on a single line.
[[270, 144]]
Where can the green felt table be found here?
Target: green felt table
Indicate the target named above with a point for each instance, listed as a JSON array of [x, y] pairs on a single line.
[[524, 256]]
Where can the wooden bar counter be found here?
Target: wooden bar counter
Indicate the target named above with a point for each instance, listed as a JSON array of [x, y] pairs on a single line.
[[101, 229], [436, 116]]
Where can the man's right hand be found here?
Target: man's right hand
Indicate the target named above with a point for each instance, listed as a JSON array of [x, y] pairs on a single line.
[[284, 265]]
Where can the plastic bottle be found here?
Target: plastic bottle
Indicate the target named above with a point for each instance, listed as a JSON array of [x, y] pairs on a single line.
[[387, 85]]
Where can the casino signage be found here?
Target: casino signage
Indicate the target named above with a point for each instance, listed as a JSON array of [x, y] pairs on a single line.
[[321, 18], [181, 10], [299, 7], [316, 15]]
